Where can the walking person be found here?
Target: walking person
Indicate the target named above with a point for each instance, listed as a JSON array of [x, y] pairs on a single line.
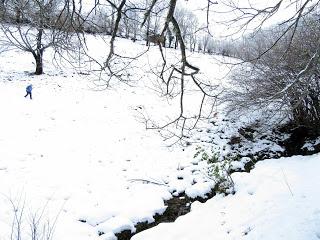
[[29, 91]]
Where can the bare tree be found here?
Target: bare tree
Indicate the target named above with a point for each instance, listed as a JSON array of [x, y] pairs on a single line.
[[281, 67], [188, 23], [170, 75], [170, 37], [131, 23], [34, 225], [192, 33], [38, 25], [204, 42]]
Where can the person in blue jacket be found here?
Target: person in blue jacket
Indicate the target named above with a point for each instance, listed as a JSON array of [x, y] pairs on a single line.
[[29, 91]]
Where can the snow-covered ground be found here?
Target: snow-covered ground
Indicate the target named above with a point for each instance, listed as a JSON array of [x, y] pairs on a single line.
[[279, 199], [73, 152]]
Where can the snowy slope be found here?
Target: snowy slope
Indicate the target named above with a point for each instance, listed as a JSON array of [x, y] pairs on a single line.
[[279, 199], [73, 152]]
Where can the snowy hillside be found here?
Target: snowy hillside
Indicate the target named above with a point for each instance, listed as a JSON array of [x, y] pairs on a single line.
[[82, 156], [77, 149], [279, 199]]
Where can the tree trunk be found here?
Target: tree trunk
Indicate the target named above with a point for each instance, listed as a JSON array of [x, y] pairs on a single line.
[[39, 64], [148, 29], [18, 16], [170, 37], [39, 53]]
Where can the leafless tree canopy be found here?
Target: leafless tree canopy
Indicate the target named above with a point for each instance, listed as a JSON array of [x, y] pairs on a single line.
[[280, 74], [282, 70], [183, 26], [36, 25]]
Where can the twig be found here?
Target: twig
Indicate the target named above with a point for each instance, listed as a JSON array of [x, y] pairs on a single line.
[[147, 181], [286, 181]]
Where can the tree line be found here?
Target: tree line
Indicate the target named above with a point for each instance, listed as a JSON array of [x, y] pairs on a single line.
[[35, 25], [279, 73], [279, 65]]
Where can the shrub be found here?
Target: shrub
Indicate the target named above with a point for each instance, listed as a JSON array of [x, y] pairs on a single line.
[[282, 80], [218, 169]]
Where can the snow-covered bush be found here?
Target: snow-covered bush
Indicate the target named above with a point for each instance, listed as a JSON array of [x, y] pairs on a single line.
[[282, 79]]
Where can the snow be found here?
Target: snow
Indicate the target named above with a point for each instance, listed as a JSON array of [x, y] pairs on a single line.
[[238, 165], [83, 156], [309, 145], [199, 190], [116, 225], [279, 199]]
